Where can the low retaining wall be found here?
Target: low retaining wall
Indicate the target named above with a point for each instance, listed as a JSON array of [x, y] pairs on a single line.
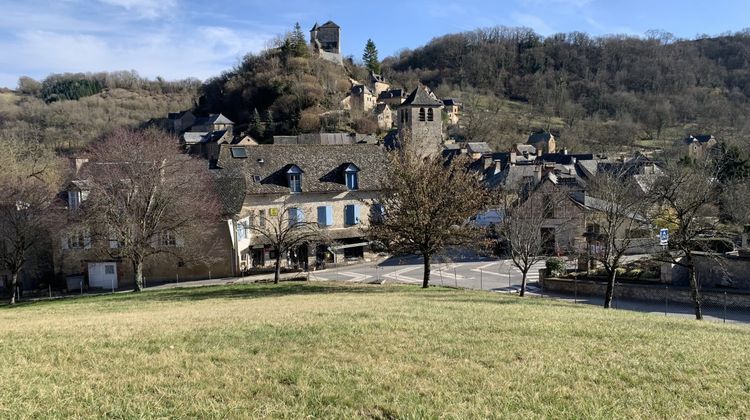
[[658, 293]]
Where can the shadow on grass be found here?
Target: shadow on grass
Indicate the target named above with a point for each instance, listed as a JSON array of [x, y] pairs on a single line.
[[235, 291]]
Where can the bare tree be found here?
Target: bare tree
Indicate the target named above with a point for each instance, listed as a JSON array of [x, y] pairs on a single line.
[[27, 218], [147, 198], [616, 218], [426, 204], [520, 228], [685, 198], [283, 228]]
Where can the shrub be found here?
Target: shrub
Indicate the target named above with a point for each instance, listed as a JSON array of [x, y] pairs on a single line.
[[556, 267]]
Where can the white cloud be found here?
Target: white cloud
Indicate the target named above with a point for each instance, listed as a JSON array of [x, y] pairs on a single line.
[[165, 53], [145, 8], [534, 22]]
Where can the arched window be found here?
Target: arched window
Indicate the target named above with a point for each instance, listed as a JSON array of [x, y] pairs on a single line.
[[430, 115], [421, 114]]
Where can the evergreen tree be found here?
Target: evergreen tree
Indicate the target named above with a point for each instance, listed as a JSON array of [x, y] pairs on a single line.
[[370, 56], [298, 42], [269, 124], [256, 128]]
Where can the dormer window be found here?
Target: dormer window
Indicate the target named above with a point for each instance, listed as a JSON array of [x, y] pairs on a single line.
[[351, 175], [294, 179]]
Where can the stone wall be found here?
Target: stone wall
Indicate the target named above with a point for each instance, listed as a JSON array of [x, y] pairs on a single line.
[[647, 292], [730, 271]]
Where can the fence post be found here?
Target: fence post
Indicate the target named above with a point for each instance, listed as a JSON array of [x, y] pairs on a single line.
[[575, 286], [666, 300], [81, 288], [440, 270], [510, 287], [481, 280], [455, 276]]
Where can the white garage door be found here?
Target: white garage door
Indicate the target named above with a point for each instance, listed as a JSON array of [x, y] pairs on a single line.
[[103, 275]]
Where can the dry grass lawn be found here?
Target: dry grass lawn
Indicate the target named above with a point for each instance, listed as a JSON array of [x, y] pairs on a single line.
[[327, 350]]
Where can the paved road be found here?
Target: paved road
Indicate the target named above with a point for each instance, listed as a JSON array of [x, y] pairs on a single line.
[[479, 273]]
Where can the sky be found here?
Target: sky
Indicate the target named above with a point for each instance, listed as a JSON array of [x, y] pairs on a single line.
[[177, 39]]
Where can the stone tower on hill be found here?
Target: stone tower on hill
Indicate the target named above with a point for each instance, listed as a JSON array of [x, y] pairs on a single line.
[[419, 121], [325, 40]]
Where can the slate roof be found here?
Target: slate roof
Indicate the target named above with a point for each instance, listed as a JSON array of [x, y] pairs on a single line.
[[321, 139], [213, 119], [563, 159], [329, 24], [527, 148], [323, 167], [421, 97], [451, 102], [391, 93], [597, 204], [537, 137], [703, 138], [478, 147], [380, 108], [360, 90]]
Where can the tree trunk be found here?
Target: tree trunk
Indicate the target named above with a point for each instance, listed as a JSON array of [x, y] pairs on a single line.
[[610, 293], [13, 284], [138, 271], [277, 270], [694, 292], [522, 292], [426, 276]]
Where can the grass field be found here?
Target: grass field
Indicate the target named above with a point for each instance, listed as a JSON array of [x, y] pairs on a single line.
[[326, 350]]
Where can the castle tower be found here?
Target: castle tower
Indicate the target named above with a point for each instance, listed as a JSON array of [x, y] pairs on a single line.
[[326, 41], [420, 123]]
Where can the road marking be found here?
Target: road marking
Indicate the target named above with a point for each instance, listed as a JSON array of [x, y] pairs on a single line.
[[355, 277]]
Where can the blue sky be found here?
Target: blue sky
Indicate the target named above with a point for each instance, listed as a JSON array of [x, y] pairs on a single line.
[[188, 38]]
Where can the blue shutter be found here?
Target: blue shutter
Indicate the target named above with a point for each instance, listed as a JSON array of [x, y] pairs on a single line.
[[322, 216], [293, 217], [349, 215], [356, 214]]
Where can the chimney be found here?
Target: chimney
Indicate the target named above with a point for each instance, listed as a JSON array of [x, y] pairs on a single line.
[[574, 160], [565, 151], [487, 161], [498, 165], [77, 163]]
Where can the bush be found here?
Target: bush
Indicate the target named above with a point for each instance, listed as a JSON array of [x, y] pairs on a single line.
[[556, 267]]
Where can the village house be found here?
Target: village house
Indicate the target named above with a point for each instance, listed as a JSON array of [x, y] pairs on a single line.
[[378, 84], [384, 115], [392, 97], [332, 185], [83, 260], [361, 100], [543, 141], [328, 139], [699, 146], [452, 109]]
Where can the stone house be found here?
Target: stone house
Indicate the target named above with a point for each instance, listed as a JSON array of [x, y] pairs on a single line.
[[332, 185], [392, 97], [79, 258], [384, 115], [179, 122], [699, 146], [378, 84], [214, 122], [543, 141], [361, 100], [452, 109], [419, 121]]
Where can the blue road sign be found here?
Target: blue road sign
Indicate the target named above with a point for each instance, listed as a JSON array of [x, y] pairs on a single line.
[[663, 236]]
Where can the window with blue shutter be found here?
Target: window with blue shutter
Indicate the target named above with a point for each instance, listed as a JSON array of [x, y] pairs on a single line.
[[325, 216], [295, 216], [351, 214]]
